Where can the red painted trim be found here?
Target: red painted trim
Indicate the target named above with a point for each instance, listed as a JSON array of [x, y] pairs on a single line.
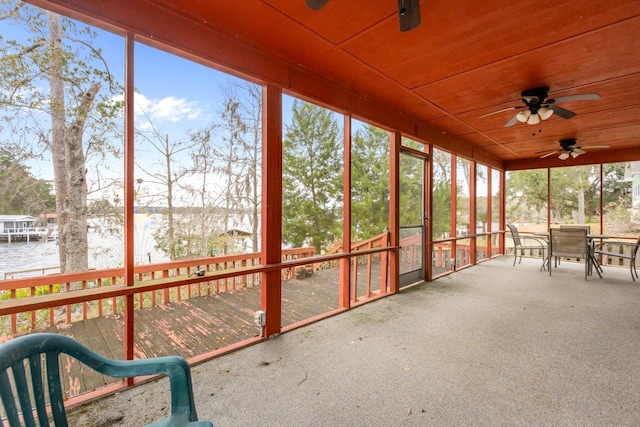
[[129, 197], [502, 214], [548, 198], [345, 282], [473, 182], [395, 141], [428, 200], [313, 319], [271, 232]]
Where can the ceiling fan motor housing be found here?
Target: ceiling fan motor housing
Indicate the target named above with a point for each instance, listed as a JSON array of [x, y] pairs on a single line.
[[534, 98], [568, 144]]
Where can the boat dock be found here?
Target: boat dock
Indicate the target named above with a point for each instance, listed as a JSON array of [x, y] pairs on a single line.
[[29, 234]]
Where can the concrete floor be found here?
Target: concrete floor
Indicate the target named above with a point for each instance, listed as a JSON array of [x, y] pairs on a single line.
[[493, 345]]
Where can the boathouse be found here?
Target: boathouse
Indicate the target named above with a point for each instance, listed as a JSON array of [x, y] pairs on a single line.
[[20, 228]]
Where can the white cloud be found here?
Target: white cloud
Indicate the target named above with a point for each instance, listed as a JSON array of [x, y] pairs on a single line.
[[168, 109], [159, 111]]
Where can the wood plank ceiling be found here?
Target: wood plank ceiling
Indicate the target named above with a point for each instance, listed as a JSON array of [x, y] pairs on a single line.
[[466, 59]]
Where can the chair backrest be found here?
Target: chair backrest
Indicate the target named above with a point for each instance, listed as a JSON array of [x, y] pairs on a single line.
[[568, 227], [30, 378], [569, 242], [515, 235]]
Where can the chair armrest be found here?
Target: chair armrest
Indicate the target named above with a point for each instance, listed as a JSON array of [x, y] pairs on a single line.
[[538, 240], [174, 367]]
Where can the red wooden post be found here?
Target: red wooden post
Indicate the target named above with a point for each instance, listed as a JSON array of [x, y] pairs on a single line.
[[344, 287], [129, 198], [473, 171], [271, 232], [395, 141]]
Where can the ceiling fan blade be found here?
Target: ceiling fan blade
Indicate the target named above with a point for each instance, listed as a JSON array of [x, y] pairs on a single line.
[[595, 146], [500, 111], [512, 122], [580, 97], [316, 4], [550, 153], [408, 14], [562, 112]]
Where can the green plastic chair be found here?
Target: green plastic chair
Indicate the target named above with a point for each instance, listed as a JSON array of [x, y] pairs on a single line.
[[41, 352]]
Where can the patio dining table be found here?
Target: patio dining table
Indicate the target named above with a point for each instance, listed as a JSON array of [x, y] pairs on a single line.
[[591, 238]]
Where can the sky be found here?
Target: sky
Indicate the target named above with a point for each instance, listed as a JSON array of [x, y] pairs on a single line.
[[174, 94]]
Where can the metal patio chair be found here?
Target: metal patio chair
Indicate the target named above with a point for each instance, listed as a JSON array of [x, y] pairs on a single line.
[[30, 380], [570, 243], [631, 255], [523, 243]]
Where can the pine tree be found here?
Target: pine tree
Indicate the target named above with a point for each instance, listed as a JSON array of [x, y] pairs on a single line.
[[312, 178], [369, 182]]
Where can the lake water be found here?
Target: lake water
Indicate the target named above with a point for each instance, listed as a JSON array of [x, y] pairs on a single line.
[[105, 250]]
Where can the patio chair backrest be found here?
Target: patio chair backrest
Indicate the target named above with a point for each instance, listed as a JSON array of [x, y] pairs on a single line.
[[30, 379], [569, 242], [515, 235], [569, 227]]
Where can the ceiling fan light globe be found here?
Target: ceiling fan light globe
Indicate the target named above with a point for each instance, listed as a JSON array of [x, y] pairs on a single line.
[[533, 119], [545, 113], [575, 154], [563, 156], [523, 115]]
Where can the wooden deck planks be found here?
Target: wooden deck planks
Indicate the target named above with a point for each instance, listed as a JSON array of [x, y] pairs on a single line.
[[195, 326], [304, 298]]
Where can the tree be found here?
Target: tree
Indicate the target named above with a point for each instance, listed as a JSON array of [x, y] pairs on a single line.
[[52, 81], [163, 180], [526, 191], [441, 198], [614, 189], [412, 205], [575, 192], [250, 160], [240, 156], [21, 192], [370, 182], [312, 177], [203, 219]]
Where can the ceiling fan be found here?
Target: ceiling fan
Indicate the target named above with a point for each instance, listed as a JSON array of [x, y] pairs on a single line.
[[408, 12], [569, 147], [538, 106]]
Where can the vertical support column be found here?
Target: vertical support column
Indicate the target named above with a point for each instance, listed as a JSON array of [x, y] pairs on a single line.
[[395, 140], [271, 229], [489, 229], [502, 215], [129, 196], [453, 217], [548, 198], [345, 263], [601, 229], [473, 180], [428, 211]]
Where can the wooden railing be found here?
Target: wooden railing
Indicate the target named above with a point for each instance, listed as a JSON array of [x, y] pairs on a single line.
[[32, 303]]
